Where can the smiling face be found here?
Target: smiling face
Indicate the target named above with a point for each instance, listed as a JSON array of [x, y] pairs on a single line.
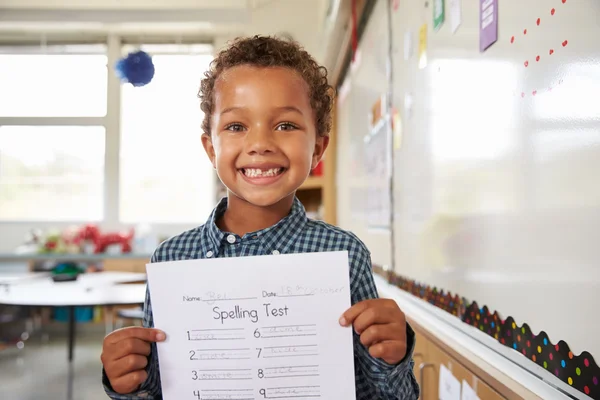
[[263, 140]]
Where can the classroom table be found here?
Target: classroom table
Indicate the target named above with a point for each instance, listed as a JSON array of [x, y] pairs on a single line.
[[91, 289], [15, 278]]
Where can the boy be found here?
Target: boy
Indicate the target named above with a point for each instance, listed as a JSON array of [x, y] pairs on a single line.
[[267, 107]]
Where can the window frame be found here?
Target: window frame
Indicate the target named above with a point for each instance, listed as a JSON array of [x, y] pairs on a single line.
[[115, 46]]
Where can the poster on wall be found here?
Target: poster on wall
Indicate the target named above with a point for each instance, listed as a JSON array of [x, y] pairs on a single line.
[[423, 46], [438, 14], [408, 45], [488, 23], [397, 129], [455, 14], [378, 168]]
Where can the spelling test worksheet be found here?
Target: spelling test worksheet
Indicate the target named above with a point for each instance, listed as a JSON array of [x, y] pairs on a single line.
[[261, 327]]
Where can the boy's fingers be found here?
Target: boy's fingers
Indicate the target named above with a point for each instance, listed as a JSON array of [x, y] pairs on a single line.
[[129, 383], [378, 333], [132, 346], [373, 316], [128, 364], [350, 315], [146, 334], [391, 352], [385, 305]]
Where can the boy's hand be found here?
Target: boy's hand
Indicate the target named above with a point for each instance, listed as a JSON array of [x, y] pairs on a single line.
[[381, 326], [124, 356]]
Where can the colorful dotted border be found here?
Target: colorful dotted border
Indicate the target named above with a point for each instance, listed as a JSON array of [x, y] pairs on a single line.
[[579, 371]]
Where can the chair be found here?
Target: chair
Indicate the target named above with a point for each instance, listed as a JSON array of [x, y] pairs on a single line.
[[133, 315]]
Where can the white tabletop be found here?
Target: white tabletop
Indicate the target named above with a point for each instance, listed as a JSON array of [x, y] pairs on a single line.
[[12, 279], [96, 279], [109, 278], [104, 288]]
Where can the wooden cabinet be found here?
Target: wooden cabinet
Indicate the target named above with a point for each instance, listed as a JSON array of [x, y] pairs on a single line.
[[125, 264], [318, 193], [428, 357]]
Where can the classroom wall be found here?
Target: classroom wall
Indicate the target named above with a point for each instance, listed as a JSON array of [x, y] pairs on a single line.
[[496, 177], [303, 21]]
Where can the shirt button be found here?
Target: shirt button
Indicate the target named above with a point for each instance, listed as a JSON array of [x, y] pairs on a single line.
[[275, 252], [231, 239], [209, 254]]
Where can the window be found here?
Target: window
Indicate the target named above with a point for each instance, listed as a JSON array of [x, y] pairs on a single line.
[[52, 132], [165, 175], [56, 132], [65, 81], [51, 172]]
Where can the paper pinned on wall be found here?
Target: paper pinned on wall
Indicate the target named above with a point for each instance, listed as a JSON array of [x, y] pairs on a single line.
[[449, 386], [261, 327], [345, 89], [488, 23], [356, 61], [439, 14], [455, 14], [423, 46], [408, 45], [397, 129], [378, 170], [408, 105], [467, 392]]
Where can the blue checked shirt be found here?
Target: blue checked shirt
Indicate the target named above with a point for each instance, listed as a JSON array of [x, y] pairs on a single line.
[[375, 379]]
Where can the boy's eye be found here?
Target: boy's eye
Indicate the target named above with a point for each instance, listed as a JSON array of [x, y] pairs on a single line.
[[286, 126], [234, 127]]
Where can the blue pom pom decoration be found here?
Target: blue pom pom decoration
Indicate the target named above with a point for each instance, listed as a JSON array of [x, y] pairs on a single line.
[[137, 68]]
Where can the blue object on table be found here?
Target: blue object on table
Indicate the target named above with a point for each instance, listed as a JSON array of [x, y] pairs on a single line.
[[66, 272]]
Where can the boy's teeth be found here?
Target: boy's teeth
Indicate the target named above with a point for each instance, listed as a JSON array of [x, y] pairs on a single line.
[[254, 172]]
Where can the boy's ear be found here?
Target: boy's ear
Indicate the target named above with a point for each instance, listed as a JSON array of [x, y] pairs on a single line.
[[320, 146], [209, 148]]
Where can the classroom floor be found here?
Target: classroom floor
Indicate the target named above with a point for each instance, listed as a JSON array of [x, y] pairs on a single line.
[[40, 369]]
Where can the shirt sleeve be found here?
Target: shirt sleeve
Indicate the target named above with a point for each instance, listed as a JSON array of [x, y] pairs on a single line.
[[388, 382], [150, 389]]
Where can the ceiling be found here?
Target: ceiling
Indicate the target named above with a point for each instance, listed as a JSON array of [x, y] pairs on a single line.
[[318, 24]]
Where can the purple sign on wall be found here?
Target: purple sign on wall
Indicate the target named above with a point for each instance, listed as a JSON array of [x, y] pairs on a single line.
[[488, 23]]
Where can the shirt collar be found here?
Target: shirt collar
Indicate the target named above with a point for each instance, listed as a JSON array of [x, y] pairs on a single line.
[[277, 237]]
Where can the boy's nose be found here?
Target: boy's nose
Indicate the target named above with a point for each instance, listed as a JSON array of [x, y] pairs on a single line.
[[260, 140]]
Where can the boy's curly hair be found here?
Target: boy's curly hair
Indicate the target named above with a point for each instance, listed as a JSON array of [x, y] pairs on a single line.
[[268, 51]]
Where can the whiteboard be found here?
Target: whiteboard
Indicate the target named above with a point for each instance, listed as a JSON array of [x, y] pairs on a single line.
[[497, 180]]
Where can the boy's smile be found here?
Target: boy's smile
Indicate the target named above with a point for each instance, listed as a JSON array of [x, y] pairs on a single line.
[[263, 140], [262, 174]]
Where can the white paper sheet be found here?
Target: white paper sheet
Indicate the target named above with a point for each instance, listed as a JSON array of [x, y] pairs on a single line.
[[455, 14], [260, 327], [408, 45], [467, 392], [449, 388]]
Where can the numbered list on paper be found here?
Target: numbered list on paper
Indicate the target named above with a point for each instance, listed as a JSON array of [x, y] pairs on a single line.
[[254, 327]]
